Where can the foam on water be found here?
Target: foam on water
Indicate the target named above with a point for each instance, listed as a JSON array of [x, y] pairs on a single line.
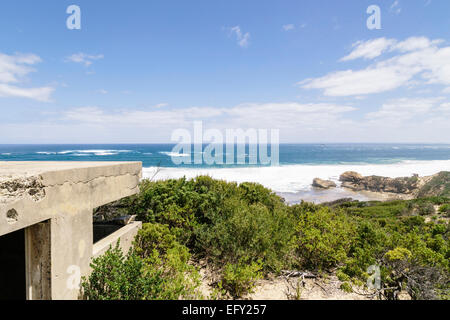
[[174, 154], [96, 152], [81, 153], [295, 178], [46, 152]]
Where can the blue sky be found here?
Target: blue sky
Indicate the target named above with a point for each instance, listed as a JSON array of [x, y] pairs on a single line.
[[137, 70]]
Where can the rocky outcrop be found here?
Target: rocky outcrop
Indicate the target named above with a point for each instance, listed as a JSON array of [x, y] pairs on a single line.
[[437, 185], [351, 176], [323, 184], [356, 182]]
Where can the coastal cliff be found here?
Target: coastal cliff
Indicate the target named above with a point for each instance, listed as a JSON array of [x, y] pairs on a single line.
[[436, 185]]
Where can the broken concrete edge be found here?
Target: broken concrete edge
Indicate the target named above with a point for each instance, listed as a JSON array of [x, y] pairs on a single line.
[[29, 179], [125, 235]]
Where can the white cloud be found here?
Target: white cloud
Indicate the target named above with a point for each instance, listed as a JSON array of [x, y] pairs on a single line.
[[395, 7], [257, 115], [153, 118], [398, 120], [376, 47], [39, 94], [417, 61], [13, 68], [288, 27], [444, 108], [16, 66], [299, 121], [242, 38], [83, 58], [403, 109], [409, 120], [354, 83], [102, 91], [369, 49], [415, 43]]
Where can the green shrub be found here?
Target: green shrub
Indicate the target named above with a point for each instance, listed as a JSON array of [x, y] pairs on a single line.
[[346, 287], [154, 237], [445, 209], [402, 271], [161, 251], [378, 210], [398, 254], [323, 238], [168, 203], [221, 221], [255, 193], [342, 276], [367, 248], [415, 221], [240, 279], [134, 277], [426, 209], [249, 232], [181, 280], [119, 277]]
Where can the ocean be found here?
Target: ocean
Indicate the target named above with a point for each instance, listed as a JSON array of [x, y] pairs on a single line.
[[298, 165]]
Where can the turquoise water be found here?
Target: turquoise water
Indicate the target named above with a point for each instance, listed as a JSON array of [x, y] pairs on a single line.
[[290, 154], [292, 178]]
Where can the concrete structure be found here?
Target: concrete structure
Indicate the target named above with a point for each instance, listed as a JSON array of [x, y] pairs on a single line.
[[46, 227]]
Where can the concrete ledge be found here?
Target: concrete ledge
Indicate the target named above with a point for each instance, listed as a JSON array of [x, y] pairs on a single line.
[[32, 192], [126, 236]]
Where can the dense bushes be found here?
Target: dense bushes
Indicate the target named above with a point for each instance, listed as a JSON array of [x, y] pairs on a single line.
[[323, 237], [424, 271], [240, 278], [245, 232], [156, 269], [116, 277], [226, 223]]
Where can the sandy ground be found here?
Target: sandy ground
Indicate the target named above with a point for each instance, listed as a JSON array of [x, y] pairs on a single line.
[[309, 289], [285, 288]]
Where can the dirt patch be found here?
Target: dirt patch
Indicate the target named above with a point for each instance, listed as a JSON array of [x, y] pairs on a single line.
[[287, 288], [297, 288], [437, 217]]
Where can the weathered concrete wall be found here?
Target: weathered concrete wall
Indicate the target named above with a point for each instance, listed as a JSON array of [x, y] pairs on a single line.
[[38, 255], [126, 236], [65, 193]]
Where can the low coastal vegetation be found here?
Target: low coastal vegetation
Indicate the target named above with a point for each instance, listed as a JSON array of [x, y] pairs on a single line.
[[439, 184], [246, 232]]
